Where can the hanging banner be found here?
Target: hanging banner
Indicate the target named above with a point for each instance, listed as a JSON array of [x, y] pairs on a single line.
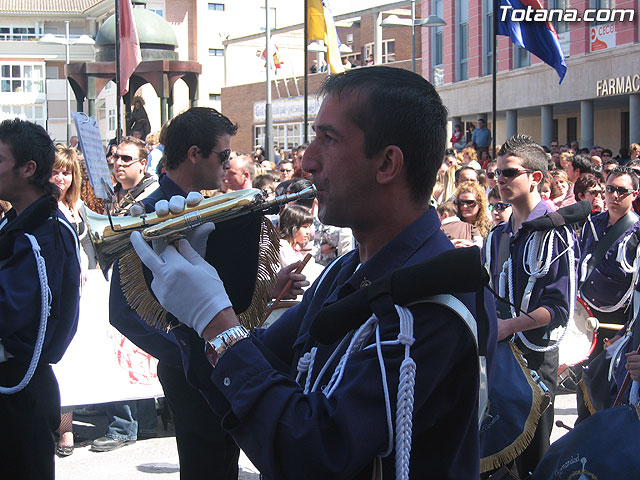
[[101, 365]]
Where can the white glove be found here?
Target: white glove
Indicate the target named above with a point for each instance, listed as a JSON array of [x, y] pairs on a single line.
[[183, 282], [197, 237]]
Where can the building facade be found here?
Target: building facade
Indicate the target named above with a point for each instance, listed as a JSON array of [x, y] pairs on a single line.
[[32, 81], [597, 103]]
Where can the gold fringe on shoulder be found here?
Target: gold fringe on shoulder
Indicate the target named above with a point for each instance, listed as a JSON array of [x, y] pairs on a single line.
[[523, 440], [137, 294], [268, 266], [586, 397], [140, 299]]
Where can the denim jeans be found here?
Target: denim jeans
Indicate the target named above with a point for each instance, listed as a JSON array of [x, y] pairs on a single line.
[[127, 419]]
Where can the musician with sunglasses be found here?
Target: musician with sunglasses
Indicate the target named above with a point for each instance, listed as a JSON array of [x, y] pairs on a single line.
[[609, 249], [541, 296]]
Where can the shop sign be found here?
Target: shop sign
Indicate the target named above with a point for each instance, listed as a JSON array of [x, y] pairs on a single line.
[[618, 85], [286, 109], [603, 37]]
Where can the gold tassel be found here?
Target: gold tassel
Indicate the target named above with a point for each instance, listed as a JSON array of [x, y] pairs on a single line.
[[137, 294], [268, 266], [140, 299], [523, 440], [586, 397]]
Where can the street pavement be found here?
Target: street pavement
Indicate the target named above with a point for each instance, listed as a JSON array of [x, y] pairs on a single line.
[[146, 459]]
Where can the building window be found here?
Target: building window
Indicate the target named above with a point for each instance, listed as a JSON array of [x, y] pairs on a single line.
[[603, 5], [216, 7], [216, 52], [157, 11], [111, 117], [555, 135], [19, 33], [521, 57], [462, 39], [286, 136], [33, 113], [560, 27], [488, 37], [437, 42], [214, 97], [388, 51], [22, 78]]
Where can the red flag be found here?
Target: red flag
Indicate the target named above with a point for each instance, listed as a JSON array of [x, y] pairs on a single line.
[[130, 56]]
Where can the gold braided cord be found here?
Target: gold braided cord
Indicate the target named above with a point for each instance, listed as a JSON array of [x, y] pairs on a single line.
[[141, 300]]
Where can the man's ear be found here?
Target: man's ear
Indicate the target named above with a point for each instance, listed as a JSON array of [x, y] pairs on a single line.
[[390, 164], [537, 177], [29, 169], [192, 153]]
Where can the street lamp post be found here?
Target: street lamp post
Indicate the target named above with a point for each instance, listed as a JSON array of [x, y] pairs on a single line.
[[413, 22], [49, 38]]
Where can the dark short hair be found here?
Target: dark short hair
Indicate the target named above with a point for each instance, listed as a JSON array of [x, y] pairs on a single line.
[[397, 107], [29, 141], [611, 161], [297, 185], [448, 207], [582, 162], [292, 218], [620, 171], [531, 154], [494, 193], [199, 126], [584, 183], [142, 146], [606, 150], [459, 171]]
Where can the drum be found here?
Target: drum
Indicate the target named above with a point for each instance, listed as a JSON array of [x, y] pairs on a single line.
[[579, 341], [603, 447], [517, 399]]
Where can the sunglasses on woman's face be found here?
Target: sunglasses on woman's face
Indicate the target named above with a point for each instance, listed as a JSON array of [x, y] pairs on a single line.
[[466, 203], [500, 206]]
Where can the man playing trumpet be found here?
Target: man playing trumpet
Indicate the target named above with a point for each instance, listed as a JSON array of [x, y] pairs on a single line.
[[293, 407]]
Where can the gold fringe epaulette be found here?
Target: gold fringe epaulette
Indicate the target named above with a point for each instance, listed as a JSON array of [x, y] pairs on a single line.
[[523, 440], [140, 299], [137, 294], [586, 397], [268, 266]]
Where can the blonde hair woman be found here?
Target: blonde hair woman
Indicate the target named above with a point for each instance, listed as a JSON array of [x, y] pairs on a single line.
[[560, 187], [471, 200]]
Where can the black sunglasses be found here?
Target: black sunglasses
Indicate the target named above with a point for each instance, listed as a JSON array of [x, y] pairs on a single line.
[[512, 172], [224, 155], [619, 190], [491, 175], [126, 159], [466, 203], [500, 206]]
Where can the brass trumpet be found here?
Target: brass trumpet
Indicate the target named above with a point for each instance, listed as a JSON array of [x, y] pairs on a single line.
[[110, 235]]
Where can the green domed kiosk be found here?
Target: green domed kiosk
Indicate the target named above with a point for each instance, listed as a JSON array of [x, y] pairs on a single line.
[[160, 66]]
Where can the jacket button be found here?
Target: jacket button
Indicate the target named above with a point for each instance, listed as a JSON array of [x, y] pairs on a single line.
[[226, 381]]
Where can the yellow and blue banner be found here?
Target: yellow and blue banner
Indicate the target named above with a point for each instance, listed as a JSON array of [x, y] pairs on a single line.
[[320, 26]]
